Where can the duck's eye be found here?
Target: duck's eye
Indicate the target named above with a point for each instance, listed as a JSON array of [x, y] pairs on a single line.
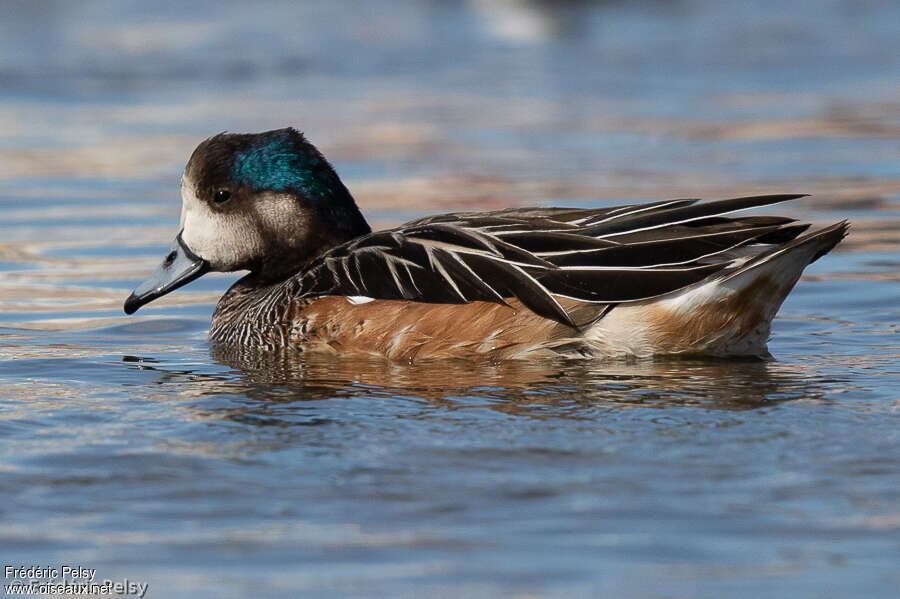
[[221, 196]]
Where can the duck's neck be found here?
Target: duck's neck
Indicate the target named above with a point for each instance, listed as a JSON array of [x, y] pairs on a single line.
[[344, 220], [321, 233], [257, 309]]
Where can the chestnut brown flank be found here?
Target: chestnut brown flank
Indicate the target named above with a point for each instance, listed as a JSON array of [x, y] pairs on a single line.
[[403, 330]]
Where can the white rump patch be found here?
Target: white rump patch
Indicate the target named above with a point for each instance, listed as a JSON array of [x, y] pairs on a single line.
[[359, 299]]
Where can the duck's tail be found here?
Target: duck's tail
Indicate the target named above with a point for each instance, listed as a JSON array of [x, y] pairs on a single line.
[[727, 315], [799, 253]]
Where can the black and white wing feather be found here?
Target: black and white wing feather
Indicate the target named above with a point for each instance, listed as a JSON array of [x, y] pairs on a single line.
[[538, 255]]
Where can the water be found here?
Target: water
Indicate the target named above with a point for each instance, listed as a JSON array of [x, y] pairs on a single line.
[[127, 446]]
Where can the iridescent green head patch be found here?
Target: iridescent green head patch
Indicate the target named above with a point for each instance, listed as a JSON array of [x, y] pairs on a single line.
[[283, 160]]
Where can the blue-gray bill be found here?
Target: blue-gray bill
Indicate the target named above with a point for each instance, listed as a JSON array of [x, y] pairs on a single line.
[[180, 267]]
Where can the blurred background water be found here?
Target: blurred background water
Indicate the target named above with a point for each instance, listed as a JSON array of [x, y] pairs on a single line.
[[127, 446]]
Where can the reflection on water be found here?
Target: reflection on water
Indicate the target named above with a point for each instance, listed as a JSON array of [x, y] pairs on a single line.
[[131, 446], [520, 387]]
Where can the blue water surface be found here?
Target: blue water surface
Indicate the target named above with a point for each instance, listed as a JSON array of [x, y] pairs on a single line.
[[130, 446]]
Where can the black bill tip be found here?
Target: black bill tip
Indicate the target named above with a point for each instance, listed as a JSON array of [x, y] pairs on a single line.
[[133, 303]]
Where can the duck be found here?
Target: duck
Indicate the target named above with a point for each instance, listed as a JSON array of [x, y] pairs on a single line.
[[674, 277]]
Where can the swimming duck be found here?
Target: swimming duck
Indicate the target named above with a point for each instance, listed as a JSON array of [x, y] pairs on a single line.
[[670, 277]]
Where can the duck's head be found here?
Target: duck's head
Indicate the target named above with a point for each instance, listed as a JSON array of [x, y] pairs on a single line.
[[264, 202]]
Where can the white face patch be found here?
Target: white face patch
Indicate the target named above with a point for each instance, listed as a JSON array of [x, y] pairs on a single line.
[[229, 240]]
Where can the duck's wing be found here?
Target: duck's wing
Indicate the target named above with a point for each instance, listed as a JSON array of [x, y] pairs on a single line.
[[537, 255]]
